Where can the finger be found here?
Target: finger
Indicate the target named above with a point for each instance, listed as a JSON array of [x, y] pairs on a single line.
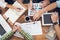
[[37, 18], [34, 17]]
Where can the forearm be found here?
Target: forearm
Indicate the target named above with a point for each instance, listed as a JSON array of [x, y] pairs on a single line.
[[7, 35], [30, 4], [50, 7], [20, 1], [48, 1], [47, 8], [26, 35], [57, 28], [10, 6]]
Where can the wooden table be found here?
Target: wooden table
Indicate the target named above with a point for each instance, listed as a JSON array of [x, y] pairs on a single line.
[[37, 37]]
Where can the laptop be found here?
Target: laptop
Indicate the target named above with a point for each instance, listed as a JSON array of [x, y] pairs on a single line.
[[4, 27]]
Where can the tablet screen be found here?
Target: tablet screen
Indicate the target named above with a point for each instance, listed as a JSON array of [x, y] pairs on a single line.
[[47, 19]]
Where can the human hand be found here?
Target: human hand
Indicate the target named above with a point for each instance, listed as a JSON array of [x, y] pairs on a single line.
[[36, 16], [44, 3], [14, 28], [18, 9], [54, 17], [18, 26]]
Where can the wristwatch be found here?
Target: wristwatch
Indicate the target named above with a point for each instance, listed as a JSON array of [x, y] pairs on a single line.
[[55, 23]]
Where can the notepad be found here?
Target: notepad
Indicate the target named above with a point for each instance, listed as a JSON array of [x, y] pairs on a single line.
[[12, 14], [31, 28]]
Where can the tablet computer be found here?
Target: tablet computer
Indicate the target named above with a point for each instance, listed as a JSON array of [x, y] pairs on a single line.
[[46, 19]]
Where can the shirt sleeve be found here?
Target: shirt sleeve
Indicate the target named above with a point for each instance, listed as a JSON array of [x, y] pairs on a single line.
[[3, 4], [26, 35], [58, 3], [7, 35]]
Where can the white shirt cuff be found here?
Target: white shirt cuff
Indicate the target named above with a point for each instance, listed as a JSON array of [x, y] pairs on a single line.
[[3, 4], [58, 3]]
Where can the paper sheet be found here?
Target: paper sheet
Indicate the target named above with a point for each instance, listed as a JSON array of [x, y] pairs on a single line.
[[13, 14], [33, 29]]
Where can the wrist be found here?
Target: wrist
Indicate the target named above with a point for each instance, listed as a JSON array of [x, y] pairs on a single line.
[[19, 30], [55, 23], [13, 30]]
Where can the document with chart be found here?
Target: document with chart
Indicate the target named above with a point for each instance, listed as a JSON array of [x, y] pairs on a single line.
[[33, 28]]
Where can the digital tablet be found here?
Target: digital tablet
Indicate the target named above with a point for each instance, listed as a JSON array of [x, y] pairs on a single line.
[[46, 19]]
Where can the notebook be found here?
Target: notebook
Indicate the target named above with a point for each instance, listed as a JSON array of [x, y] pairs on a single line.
[[12, 14]]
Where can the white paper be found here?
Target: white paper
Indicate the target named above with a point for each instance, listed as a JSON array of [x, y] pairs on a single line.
[[13, 14], [31, 28]]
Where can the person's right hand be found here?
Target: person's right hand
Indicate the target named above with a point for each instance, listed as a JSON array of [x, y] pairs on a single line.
[[54, 17], [37, 15]]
